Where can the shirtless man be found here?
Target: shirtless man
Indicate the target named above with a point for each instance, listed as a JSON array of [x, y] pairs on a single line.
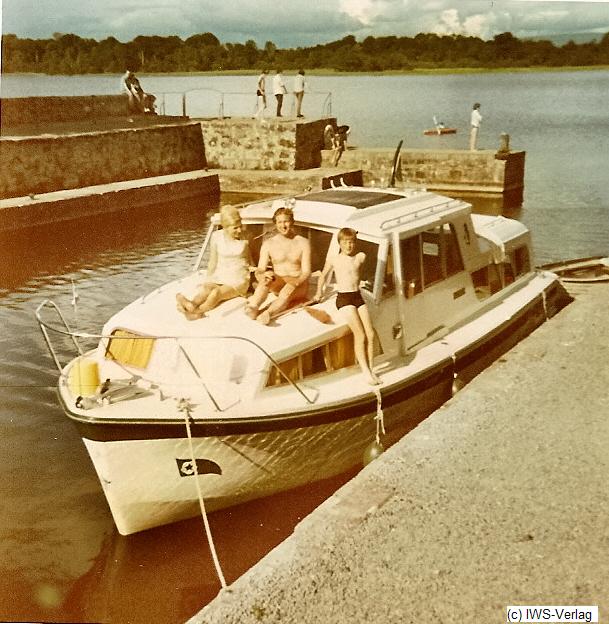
[[290, 257]]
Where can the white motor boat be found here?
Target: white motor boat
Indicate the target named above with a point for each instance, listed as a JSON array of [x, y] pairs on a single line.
[[239, 410]]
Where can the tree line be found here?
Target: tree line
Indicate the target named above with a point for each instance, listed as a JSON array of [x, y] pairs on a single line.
[[71, 54]]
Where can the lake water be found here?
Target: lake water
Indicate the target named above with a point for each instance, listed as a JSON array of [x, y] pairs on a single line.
[[60, 556]]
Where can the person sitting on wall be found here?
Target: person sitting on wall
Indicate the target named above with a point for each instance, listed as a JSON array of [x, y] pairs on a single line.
[[339, 143], [228, 270], [289, 256], [133, 89]]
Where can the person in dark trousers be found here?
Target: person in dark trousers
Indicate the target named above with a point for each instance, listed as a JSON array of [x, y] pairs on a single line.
[[279, 90]]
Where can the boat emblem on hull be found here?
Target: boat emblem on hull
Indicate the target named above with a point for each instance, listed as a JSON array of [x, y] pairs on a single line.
[[204, 466]]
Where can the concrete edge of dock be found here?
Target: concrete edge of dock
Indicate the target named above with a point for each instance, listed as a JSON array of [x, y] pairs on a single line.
[[498, 498]]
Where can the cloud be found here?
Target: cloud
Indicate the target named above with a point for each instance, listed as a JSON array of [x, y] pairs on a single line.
[[477, 25], [366, 12]]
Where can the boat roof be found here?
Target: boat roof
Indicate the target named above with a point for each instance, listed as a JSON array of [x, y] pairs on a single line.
[[370, 211]]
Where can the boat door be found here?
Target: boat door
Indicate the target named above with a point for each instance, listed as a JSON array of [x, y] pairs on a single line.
[[429, 280], [381, 298]]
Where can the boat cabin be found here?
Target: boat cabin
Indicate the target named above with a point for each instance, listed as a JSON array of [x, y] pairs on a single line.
[[430, 266]]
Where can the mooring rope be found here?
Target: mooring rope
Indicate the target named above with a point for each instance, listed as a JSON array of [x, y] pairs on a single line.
[[185, 407], [380, 417], [545, 303]]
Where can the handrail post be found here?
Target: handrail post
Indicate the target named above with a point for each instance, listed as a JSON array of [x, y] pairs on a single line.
[[184, 104], [222, 105]]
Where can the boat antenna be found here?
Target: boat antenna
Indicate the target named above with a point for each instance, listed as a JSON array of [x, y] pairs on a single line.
[[396, 167]]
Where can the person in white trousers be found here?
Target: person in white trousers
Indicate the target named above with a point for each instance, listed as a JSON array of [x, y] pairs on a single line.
[[475, 126]]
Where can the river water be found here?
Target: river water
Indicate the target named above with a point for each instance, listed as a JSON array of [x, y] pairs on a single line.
[[60, 557]]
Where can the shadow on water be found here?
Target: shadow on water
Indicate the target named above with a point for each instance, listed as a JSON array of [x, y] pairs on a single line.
[[58, 248]]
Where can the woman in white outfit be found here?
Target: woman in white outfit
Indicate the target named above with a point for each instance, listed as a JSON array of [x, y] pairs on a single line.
[[228, 270]]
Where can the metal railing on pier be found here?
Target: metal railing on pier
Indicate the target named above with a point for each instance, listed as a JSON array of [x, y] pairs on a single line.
[[214, 103]]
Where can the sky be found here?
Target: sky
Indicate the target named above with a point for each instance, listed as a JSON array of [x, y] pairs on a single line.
[[293, 23]]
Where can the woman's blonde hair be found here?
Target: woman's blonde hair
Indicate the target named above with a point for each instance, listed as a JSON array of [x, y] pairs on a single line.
[[228, 215]]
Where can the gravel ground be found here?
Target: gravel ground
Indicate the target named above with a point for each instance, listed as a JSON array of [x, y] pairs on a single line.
[[499, 498]]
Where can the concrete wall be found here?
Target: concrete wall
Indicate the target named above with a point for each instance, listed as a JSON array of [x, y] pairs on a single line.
[[457, 170], [275, 145], [37, 110], [33, 165]]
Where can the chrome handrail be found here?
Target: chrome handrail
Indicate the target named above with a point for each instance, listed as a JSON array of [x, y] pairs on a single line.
[[326, 107], [74, 335]]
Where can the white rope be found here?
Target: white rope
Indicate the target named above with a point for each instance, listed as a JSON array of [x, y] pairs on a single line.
[[380, 417], [185, 406], [545, 303]]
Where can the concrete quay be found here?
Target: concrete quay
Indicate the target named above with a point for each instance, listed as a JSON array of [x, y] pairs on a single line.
[[499, 498]]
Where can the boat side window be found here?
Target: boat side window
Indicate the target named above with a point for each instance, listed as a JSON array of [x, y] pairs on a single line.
[[334, 355], [410, 253], [431, 256], [389, 280], [508, 273], [487, 281], [368, 270], [452, 254], [320, 243], [432, 264], [520, 260]]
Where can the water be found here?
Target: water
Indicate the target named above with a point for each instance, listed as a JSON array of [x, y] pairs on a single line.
[[559, 118], [60, 556]]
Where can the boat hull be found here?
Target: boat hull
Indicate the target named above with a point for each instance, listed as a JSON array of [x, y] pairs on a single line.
[[148, 476], [584, 270]]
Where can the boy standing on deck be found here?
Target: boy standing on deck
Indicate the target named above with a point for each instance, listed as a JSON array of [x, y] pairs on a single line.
[[347, 266]]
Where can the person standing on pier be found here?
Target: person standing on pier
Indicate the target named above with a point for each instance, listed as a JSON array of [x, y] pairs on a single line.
[[476, 118], [299, 88], [279, 90], [261, 94]]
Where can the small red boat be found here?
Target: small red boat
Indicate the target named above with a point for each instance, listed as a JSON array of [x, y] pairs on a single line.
[[432, 131]]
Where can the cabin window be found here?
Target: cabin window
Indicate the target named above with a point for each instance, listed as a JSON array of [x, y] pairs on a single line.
[[487, 281], [432, 263], [320, 243], [410, 251], [368, 270], [430, 257], [388, 280], [129, 349], [452, 255], [508, 273], [326, 358], [520, 260]]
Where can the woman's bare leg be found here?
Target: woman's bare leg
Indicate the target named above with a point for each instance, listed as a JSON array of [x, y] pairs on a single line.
[[217, 295]]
